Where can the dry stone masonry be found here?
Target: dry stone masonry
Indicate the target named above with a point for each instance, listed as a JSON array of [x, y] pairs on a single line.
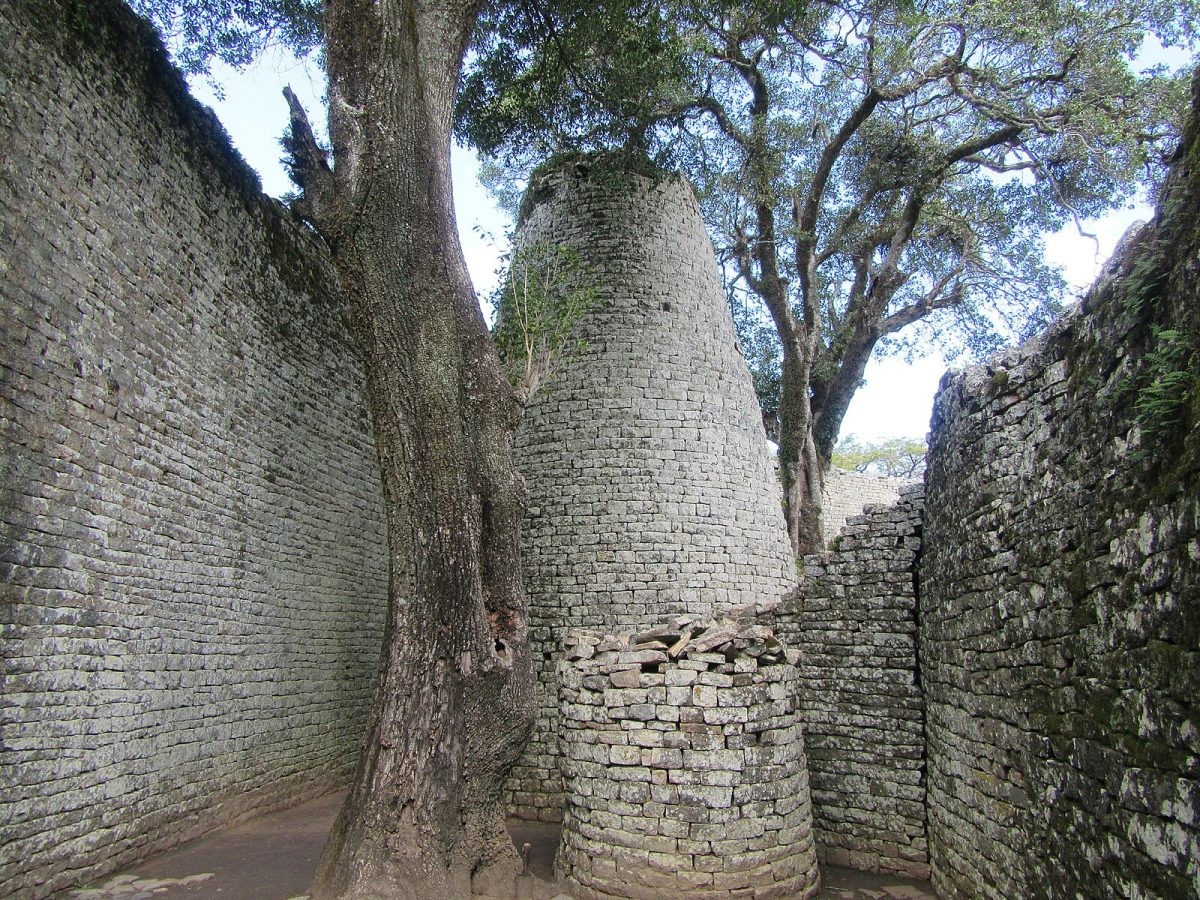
[[684, 763], [193, 568], [1060, 592], [192, 561], [651, 490], [855, 616], [845, 494]]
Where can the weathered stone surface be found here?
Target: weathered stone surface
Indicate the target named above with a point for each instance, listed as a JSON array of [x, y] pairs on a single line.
[[855, 616], [192, 560], [708, 809], [651, 489], [193, 569], [1059, 586]]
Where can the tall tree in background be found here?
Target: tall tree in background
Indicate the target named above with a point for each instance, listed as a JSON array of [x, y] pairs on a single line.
[[865, 166], [894, 458], [454, 701]]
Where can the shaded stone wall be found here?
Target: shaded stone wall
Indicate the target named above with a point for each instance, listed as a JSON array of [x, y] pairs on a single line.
[[854, 617], [684, 768], [192, 558], [651, 488], [847, 492], [1060, 628]]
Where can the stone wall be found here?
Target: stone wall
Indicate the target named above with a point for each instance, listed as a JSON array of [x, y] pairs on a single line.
[[854, 617], [684, 765], [192, 558], [1059, 618], [651, 489], [847, 492]]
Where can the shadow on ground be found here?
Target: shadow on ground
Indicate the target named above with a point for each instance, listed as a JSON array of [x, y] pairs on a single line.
[[273, 857]]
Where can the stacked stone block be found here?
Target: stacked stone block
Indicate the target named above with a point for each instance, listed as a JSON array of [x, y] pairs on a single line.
[[855, 615], [651, 487], [685, 770], [1059, 586], [845, 494], [193, 570]]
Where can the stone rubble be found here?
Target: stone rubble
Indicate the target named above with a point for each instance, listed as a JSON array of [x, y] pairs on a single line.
[[131, 887]]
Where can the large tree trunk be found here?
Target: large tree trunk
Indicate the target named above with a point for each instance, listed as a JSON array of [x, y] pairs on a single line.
[[454, 702], [811, 411], [801, 470]]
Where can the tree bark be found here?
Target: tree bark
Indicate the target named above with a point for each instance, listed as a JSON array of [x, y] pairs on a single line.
[[454, 703], [800, 467]]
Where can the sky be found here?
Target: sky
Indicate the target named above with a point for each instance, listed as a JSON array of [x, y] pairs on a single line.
[[897, 396]]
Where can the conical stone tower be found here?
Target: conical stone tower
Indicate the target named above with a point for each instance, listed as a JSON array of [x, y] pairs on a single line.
[[651, 486]]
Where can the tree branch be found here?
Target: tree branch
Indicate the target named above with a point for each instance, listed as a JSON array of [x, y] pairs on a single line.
[[888, 279], [1005, 135], [308, 166], [937, 297], [746, 268], [834, 244], [838, 389], [713, 107], [1043, 169], [806, 224]]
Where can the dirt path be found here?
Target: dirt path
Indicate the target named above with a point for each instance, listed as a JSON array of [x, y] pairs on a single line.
[[273, 857]]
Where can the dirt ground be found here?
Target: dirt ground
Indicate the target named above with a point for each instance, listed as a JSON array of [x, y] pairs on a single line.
[[273, 857]]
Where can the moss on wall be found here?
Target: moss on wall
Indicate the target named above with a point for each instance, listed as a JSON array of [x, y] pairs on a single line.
[[1060, 631]]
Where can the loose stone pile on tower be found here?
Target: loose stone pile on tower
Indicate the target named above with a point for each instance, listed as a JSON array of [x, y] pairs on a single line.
[[651, 486]]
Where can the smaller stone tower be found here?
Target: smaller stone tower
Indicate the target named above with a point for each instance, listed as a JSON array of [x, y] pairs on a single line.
[[651, 486], [683, 756]]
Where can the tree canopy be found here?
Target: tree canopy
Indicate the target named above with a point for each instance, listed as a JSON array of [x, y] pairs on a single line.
[[893, 458], [234, 31], [870, 170]]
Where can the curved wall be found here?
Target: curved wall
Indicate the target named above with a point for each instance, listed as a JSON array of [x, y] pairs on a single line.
[[651, 488], [686, 774], [193, 569], [1059, 613], [855, 616]]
